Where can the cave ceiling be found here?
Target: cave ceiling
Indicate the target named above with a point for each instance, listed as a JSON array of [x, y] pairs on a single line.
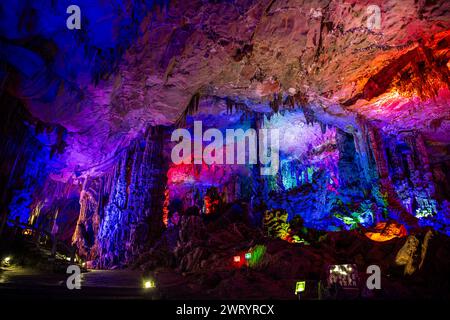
[[141, 65]]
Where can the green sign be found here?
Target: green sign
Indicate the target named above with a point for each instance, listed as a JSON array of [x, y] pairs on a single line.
[[300, 287]]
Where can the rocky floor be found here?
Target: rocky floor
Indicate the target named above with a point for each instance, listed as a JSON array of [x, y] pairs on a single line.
[[201, 265], [195, 260]]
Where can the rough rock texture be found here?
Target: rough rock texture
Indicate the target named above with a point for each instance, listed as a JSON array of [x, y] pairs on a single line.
[[243, 49], [368, 112], [198, 259], [121, 212]]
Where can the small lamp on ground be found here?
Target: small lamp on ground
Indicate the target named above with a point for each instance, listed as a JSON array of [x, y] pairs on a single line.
[[6, 261], [148, 284], [299, 288]]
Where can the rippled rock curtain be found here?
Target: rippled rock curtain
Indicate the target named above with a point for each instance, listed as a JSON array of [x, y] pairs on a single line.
[[121, 211]]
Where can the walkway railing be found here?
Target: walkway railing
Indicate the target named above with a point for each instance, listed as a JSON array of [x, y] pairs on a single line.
[[38, 233]]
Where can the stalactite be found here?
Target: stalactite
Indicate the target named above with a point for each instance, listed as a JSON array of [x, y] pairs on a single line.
[[229, 104], [323, 127], [276, 102], [87, 225], [301, 99], [134, 211], [191, 109], [289, 102], [309, 114], [166, 207], [377, 147]]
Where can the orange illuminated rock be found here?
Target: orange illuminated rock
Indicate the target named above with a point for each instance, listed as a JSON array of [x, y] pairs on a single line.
[[385, 231]]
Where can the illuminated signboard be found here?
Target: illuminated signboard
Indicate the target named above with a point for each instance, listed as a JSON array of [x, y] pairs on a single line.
[[343, 275]]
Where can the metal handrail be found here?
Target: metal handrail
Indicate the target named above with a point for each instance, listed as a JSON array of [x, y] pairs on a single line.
[[42, 232]]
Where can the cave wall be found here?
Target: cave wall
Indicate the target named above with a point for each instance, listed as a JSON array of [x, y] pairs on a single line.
[[29, 153], [368, 114], [333, 179], [363, 175], [121, 211], [413, 181]]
